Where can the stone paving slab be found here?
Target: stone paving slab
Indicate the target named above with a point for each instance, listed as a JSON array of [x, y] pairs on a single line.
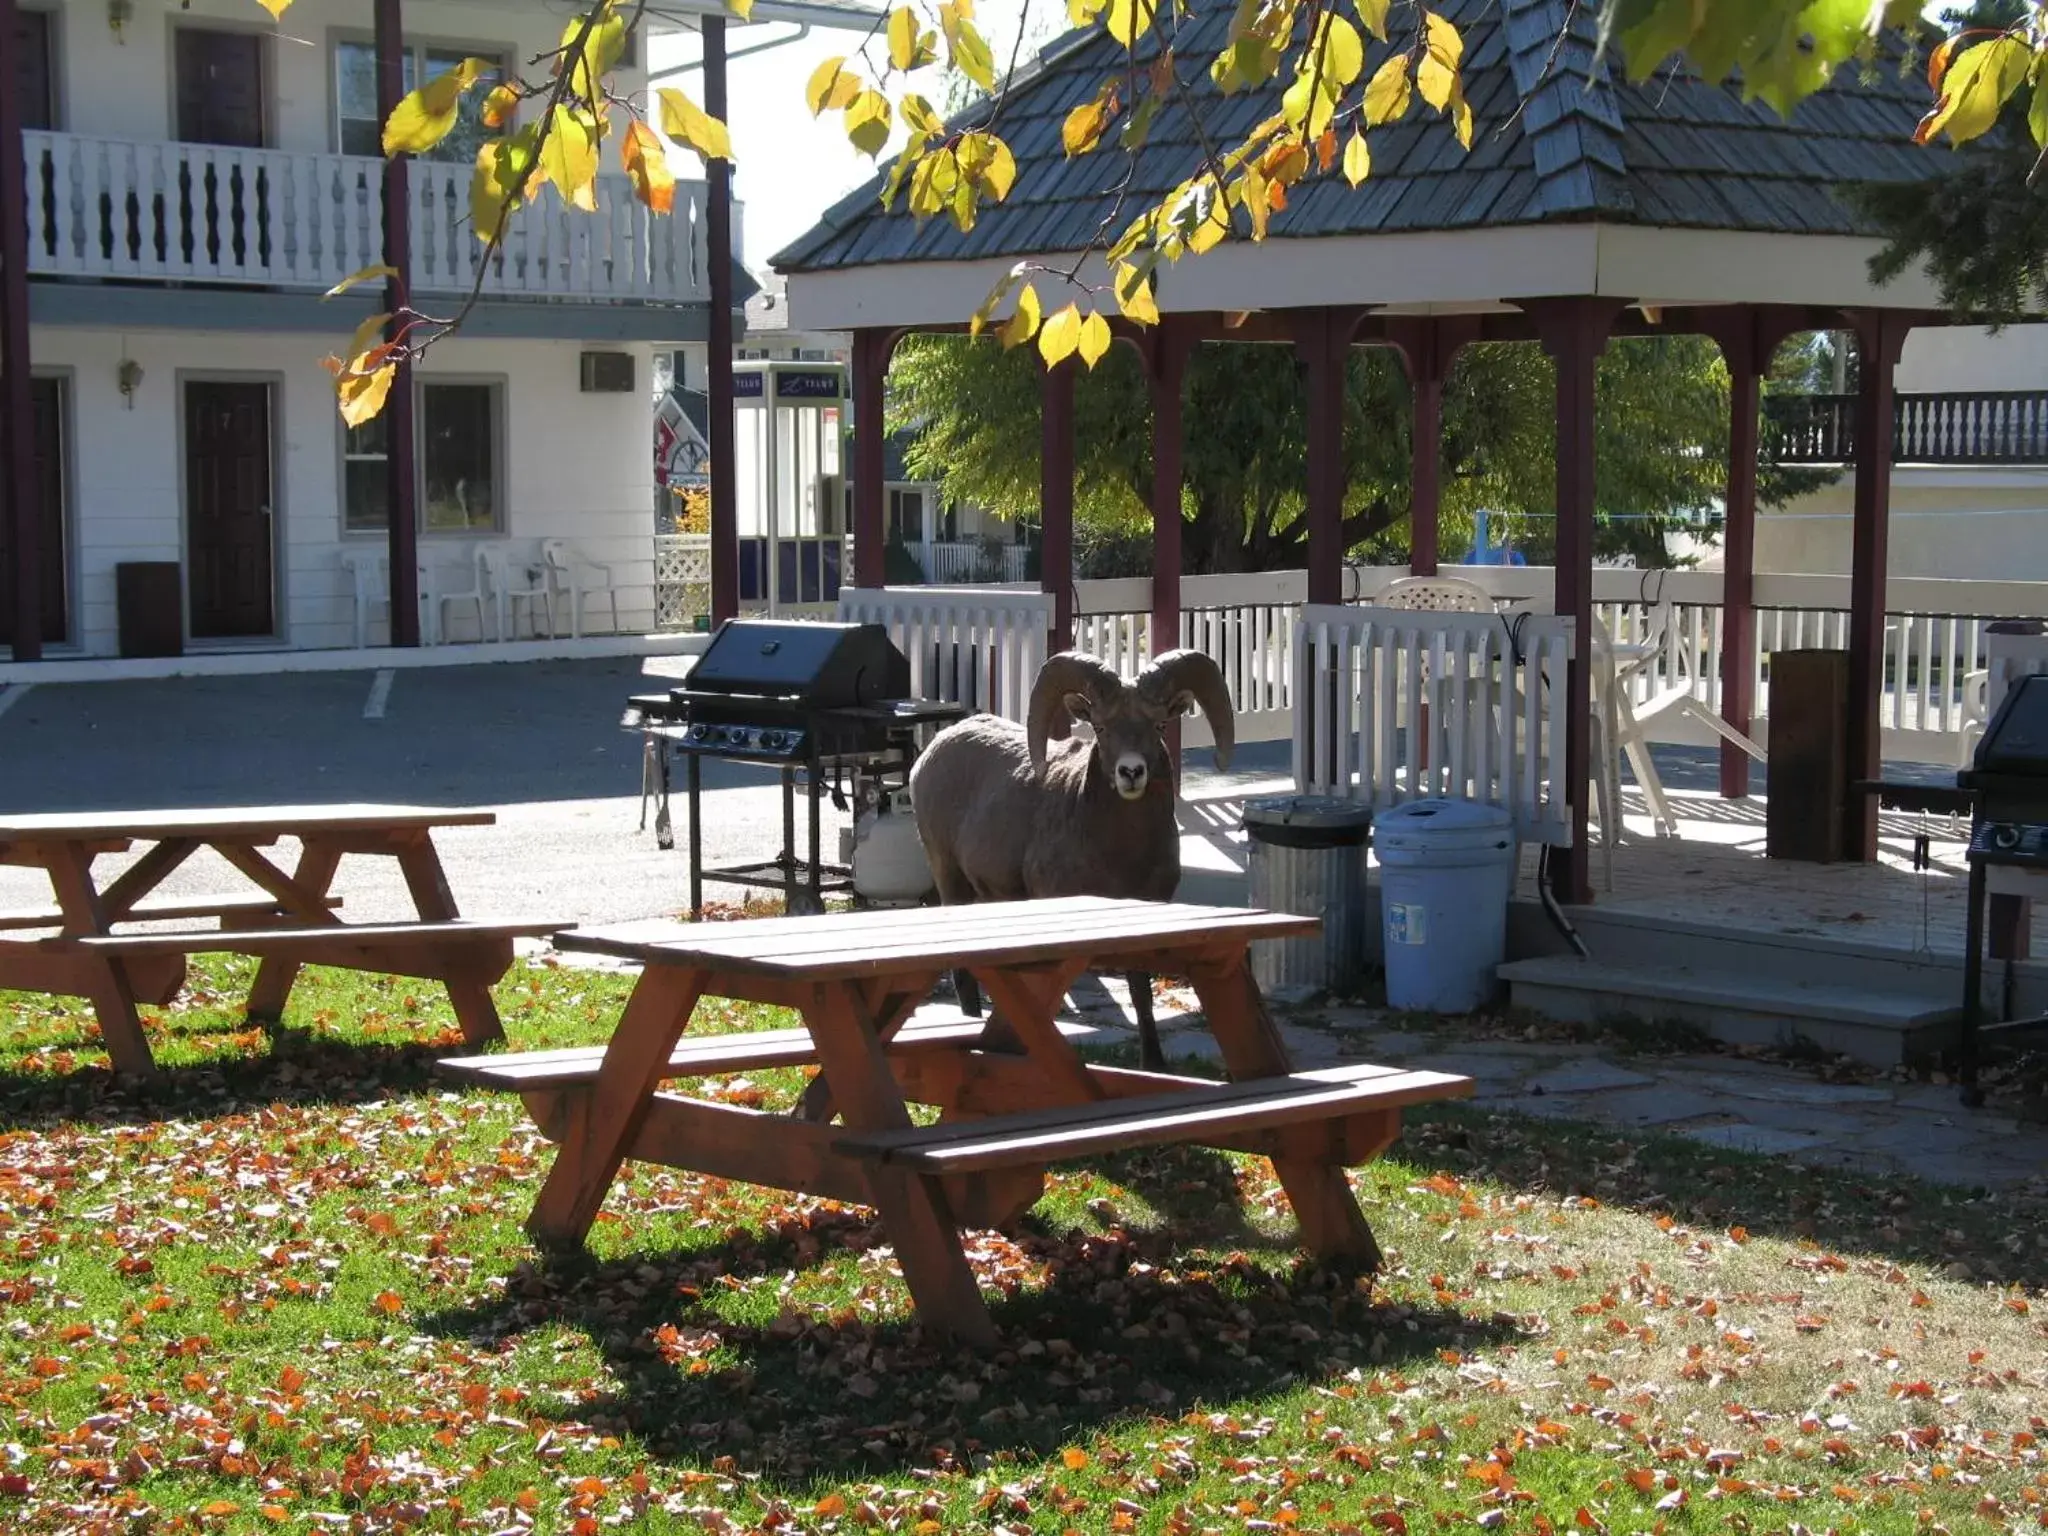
[[1589, 1076]]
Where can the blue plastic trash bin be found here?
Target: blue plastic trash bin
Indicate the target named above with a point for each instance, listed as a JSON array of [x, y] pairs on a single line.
[[1447, 868]]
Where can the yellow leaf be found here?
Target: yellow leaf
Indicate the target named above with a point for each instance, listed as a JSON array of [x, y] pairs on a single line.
[[744, 9], [362, 394], [1256, 195], [645, 160], [1357, 159], [1134, 295], [1130, 20], [423, 117], [1023, 323], [910, 47], [1975, 87], [365, 275], [1444, 40], [970, 53], [1337, 54], [1374, 14], [986, 161], [1461, 114], [934, 182], [1435, 80], [2037, 113], [867, 122], [1388, 93], [366, 334], [986, 311], [1095, 338], [499, 104], [1309, 105], [277, 8], [602, 49], [1060, 335], [507, 173], [1074, 1457], [1081, 12], [1086, 124], [569, 154], [832, 87], [920, 117], [687, 123]]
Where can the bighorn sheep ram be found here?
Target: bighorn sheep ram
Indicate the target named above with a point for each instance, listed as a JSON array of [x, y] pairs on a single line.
[[1004, 819]]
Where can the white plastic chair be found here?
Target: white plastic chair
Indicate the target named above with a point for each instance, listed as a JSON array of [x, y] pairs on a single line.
[[494, 572], [1434, 594], [370, 578], [569, 575], [446, 597]]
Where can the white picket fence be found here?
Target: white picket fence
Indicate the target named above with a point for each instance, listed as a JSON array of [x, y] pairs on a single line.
[[979, 646], [1399, 705], [1935, 640]]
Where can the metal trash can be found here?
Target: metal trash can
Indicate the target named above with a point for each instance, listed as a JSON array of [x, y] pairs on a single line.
[[1307, 855], [1447, 868]]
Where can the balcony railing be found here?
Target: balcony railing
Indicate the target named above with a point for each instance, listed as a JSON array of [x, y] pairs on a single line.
[[206, 213], [1978, 427]]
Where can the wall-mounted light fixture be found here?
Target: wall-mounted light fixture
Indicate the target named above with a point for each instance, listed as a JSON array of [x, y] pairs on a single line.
[[128, 376], [119, 14]]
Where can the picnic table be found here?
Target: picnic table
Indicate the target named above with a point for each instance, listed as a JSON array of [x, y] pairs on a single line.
[[288, 920], [1014, 1092]]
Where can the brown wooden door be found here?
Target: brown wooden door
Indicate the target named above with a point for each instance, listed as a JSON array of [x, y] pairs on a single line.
[[229, 560], [47, 447], [38, 92], [220, 87]]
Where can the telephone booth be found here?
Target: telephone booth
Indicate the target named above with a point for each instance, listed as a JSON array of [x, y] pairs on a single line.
[[790, 483]]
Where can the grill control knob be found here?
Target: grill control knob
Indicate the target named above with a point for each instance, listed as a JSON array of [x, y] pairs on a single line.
[[2005, 837], [771, 739]]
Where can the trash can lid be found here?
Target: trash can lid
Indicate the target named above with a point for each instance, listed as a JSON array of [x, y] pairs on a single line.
[[1427, 816], [1319, 811]]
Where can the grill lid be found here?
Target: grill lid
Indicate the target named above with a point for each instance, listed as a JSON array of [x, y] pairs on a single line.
[[819, 666], [2015, 744]]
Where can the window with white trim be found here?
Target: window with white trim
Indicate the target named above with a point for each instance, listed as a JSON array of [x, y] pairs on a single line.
[[359, 129], [458, 440]]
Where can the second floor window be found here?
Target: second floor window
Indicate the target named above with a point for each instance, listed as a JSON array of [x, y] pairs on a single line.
[[359, 130]]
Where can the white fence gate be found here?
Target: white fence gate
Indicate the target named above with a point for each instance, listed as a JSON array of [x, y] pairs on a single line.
[[1394, 704], [966, 645]]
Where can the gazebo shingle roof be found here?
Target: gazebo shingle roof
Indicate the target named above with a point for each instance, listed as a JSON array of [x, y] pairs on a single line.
[[1672, 151]]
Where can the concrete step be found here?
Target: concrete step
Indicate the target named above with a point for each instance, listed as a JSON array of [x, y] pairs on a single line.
[[1742, 1007]]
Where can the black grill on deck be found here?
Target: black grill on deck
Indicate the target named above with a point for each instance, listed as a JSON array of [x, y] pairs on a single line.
[[818, 701], [2008, 854]]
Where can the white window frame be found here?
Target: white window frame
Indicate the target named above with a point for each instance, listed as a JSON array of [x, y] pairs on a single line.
[[499, 386]]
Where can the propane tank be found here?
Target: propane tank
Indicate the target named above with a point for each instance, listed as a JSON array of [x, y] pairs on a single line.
[[889, 866]]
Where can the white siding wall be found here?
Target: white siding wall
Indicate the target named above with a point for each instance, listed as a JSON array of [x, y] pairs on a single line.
[[121, 87], [577, 466]]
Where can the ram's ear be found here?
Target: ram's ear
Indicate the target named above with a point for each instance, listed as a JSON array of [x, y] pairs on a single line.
[[1076, 705]]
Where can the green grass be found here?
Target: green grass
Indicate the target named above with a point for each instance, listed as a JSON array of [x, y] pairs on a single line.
[[290, 1290]]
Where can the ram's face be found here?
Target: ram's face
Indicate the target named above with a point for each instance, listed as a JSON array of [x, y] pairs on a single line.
[[1131, 746]]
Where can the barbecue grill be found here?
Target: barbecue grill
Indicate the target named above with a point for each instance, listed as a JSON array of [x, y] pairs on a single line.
[[820, 702], [2008, 851]]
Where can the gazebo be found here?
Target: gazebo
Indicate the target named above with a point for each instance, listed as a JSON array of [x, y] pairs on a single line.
[[1587, 208]]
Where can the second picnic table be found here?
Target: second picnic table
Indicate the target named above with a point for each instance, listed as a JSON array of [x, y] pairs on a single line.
[[1015, 1093], [287, 920]]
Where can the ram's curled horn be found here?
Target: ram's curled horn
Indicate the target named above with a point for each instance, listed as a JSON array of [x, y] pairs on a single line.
[[1068, 672], [1180, 676]]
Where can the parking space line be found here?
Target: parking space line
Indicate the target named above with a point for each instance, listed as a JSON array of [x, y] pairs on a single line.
[[380, 694], [12, 694]]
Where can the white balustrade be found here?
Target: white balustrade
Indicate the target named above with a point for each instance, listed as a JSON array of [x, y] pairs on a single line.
[[219, 214]]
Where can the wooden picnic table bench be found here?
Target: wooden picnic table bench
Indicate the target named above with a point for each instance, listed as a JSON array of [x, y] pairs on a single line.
[[1014, 1093], [289, 921]]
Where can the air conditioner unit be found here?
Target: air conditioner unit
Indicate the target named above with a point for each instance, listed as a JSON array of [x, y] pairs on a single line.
[[607, 373]]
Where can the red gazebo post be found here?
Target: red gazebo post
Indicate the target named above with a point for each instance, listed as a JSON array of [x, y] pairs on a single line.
[[1056, 498], [1880, 335], [401, 495], [1427, 348], [871, 349], [1322, 340], [1165, 350], [1574, 332]]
